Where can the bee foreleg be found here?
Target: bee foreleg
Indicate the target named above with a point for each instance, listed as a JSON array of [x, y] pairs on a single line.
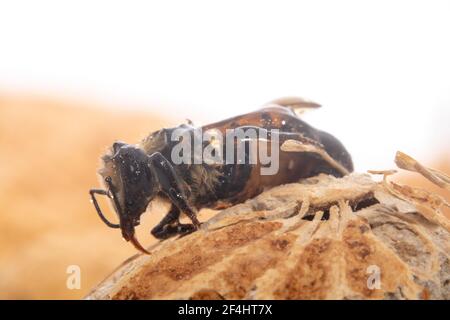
[[171, 226], [171, 186]]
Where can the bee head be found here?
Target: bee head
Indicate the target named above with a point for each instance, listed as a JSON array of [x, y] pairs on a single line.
[[129, 184]]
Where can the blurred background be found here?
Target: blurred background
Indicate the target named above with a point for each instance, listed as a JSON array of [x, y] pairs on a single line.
[[76, 76]]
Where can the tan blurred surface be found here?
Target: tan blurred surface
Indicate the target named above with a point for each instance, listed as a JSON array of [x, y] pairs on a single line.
[[50, 152]]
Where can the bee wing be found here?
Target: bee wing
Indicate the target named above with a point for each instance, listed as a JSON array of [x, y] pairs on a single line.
[[296, 104], [281, 109], [305, 146]]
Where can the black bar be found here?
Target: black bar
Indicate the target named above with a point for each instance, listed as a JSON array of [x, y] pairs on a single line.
[[226, 309]]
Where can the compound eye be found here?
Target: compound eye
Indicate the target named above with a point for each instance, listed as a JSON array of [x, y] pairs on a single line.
[[117, 145]]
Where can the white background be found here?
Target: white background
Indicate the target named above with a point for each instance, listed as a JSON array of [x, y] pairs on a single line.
[[381, 69]]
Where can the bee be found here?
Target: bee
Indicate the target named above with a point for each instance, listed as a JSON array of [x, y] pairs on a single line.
[[134, 175]]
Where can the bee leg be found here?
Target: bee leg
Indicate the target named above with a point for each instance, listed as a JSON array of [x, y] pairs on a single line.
[[170, 184], [170, 225], [167, 227]]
